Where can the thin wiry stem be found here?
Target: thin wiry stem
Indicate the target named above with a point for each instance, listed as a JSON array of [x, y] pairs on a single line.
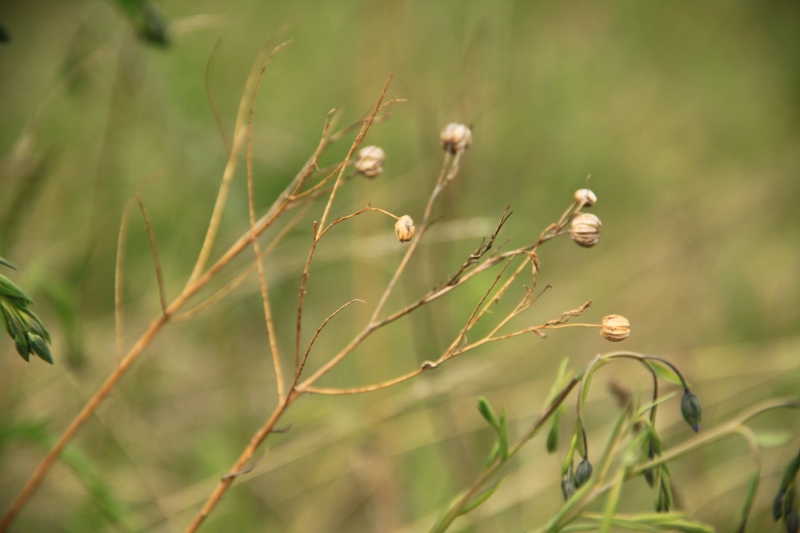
[[262, 280], [119, 285], [156, 261], [200, 281], [239, 132], [320, 227], [316, 334], [212, 101], [239, 279]]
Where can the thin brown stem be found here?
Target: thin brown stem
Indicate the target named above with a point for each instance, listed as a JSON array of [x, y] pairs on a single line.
[[262, 280], [212, 101], [316, 334], [154, 250], [119, 285]]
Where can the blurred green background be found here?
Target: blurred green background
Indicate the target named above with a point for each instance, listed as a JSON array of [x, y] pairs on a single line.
[[687, 116]]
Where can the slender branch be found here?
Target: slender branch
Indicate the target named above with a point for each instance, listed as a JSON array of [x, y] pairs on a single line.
[[212, 101], [316, 334], [262, 281], [154, 249], [119, 284], [230, 167]]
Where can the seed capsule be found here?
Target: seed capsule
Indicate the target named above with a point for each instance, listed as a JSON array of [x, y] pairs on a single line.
[[691, 410], [585, 197], [404, 228], [370, 161], [455, 138], [615, 328], [585, 229]]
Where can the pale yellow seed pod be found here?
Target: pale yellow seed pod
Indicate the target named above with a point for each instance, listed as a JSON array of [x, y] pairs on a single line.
[[585, 197], [615, 328], [585, 229], [404, 228], [370, 161], [455, 138]]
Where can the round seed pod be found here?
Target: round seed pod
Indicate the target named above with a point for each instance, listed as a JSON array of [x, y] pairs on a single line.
[[585, 197], [615, 328], [370, 161], [404, 228], [455, 138], [585, 229]]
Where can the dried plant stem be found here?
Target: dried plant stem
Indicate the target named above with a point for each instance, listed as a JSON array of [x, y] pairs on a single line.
[[262, 280], [240, 464], [200, 281], [119, 284], [156, 261], [239, 134]]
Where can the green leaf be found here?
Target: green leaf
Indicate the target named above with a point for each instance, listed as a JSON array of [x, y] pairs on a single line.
[[487, 412], [665, 373], [7, 288], [646, 407], [773, 439], [750, 497], [6, 263], [480, 498], [502, 435], [552, 435]]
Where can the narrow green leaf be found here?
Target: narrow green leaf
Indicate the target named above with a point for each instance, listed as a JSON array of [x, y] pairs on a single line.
[[773, 439], [6, 263], [646, 407], [665, 373], [552, 436], [487, 412], [502, 435], [480, 498], [750, 496]]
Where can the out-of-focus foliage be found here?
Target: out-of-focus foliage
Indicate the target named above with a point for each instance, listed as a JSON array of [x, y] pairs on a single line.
[[686, 116]]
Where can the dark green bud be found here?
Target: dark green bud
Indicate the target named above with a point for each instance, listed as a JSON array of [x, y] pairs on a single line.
[[650, 477], [22, 348], [792, 522], [691, 410], [40, 348], [568, 487], [790, 473], [583, 472], [777, 505]]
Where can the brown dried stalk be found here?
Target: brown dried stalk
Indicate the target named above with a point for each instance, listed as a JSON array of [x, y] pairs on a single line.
[[475, 263], [197, 281]]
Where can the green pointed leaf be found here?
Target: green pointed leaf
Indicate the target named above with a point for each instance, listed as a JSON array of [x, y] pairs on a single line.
[[9, 289], [646, 407], [773, 439], [502, 435], [552, 436], [665, 373], [487, 412], [6, 263], [750, 497], [480, 498]]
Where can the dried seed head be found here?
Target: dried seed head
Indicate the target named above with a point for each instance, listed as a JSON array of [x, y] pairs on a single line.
[[691, 410], [404, 228], [615, 328], [370, 161], [585, 197], [455, 138], [585, 229]]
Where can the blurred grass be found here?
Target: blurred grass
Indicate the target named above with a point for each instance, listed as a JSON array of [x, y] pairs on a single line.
[[685, 115]]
